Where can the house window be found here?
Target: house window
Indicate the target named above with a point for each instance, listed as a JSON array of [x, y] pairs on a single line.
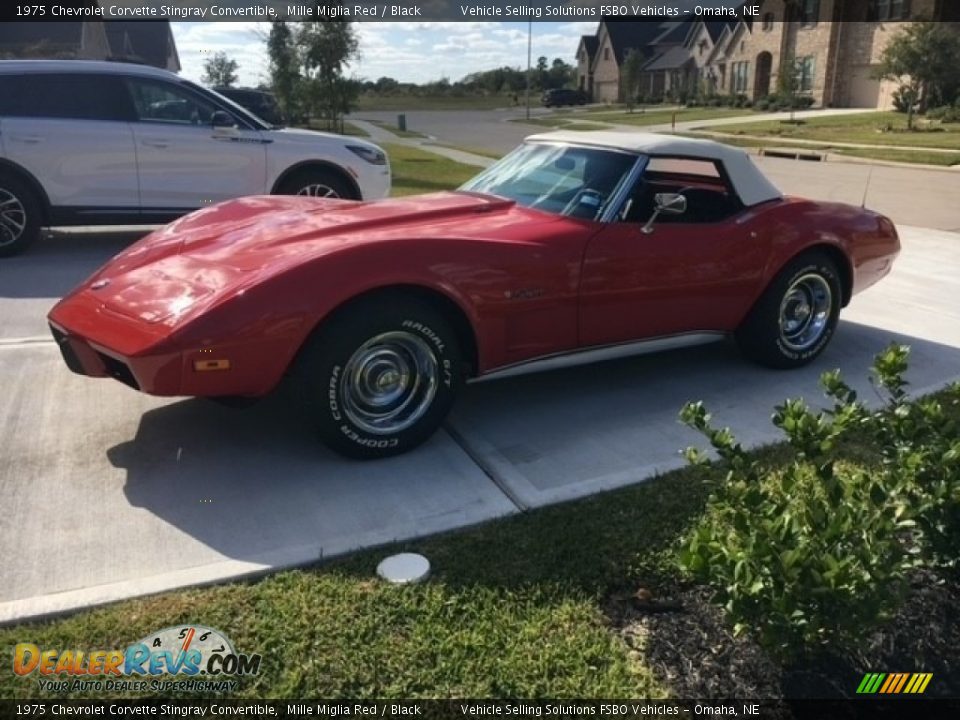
[[606, 53], [888, 10], [768, 22], [806, 69], [740, 76], [809, 12]]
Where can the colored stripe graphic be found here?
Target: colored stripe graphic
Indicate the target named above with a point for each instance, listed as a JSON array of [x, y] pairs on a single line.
[[894, 683]]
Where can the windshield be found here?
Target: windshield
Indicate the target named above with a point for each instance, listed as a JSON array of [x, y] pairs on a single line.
[[561, 179]]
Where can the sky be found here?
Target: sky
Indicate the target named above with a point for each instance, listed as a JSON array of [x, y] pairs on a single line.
[[408, 52]]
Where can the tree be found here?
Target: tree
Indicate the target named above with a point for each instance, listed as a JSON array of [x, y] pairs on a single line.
[[541, 73], [923, 58], [220, 70], [325, 47], [561, 74], [630, 77], [284, 68]]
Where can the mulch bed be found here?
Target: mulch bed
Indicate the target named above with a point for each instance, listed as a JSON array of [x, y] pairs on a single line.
[[688, 643]]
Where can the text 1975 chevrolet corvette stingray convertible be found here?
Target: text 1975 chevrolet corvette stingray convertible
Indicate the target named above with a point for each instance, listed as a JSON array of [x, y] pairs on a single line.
[[573, 242]]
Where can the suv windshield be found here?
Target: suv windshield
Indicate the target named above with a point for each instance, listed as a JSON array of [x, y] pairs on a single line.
[[562, 179]]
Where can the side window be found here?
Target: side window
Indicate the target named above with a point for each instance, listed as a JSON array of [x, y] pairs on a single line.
[[709, 197], [158, 101], [72, 96]]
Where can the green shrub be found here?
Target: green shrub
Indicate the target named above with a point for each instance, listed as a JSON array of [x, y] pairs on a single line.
[[819, 553], [946, 114]]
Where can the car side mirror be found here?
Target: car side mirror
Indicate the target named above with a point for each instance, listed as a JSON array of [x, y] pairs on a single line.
[[665, 204], [221, 119]]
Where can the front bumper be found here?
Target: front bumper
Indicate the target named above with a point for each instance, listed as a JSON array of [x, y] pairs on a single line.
[[156, 375]]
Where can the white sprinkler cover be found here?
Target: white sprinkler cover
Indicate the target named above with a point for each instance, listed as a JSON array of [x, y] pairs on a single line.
[[404, 568]]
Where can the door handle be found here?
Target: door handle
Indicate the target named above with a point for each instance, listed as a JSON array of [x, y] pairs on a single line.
[[156, 143], [28, 139]]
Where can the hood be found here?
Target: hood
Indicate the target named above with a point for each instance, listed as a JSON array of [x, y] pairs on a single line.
[[168, 272]]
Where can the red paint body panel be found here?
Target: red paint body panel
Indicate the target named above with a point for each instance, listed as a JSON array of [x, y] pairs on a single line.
[[249, 279]]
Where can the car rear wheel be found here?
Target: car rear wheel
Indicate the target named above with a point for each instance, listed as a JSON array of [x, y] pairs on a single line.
[[380, 376], [795, 318], [19, 216], [318, 183]]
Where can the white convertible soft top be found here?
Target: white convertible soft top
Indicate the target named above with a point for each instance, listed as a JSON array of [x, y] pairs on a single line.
[[750, 184]]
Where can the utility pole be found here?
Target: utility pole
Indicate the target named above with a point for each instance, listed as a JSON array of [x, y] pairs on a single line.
[[529, 47]]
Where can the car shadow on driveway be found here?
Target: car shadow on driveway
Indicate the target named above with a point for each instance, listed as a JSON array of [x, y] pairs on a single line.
[[252, 483], [256, 484]]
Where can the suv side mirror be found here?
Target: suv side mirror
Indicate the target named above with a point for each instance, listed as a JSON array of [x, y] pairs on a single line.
[[221, 118], [666, 204]]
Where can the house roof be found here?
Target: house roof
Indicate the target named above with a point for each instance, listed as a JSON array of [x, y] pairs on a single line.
[[669, 59], [628, 34], [749, 183], [147, 41], [590, 44], [30, 33]]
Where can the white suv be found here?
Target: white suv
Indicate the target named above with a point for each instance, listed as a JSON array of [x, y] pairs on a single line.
[[104, 143]]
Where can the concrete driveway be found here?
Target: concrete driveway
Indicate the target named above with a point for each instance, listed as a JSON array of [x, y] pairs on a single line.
[[109, 493]]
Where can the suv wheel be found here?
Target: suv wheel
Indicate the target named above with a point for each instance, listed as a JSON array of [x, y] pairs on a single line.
[[19, 216], [318, 183]]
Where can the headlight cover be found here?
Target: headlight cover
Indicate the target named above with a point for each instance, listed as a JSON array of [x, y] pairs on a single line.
[[374, 156]]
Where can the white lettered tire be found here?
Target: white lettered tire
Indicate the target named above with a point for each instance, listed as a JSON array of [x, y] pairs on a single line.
[[795, 318], [380, 376]]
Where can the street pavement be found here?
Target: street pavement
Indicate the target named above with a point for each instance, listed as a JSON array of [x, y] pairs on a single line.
[[110, 494]]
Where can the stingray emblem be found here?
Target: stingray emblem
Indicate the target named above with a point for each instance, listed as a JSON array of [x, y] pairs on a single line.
[[99, 284]]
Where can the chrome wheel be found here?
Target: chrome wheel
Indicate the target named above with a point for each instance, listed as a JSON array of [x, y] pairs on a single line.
[[389, 383], [318, 190], [13, 218], [805, 312]]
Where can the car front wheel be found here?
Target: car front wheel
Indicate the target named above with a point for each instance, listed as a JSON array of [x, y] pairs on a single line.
[[795, 318], [318, 183], [380, 377], [19, 216]]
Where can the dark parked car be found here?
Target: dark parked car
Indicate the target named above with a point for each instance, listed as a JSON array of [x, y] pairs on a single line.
[[563, 96], [259, 102]]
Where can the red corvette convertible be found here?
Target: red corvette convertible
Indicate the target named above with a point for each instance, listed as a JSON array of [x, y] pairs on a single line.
[[573, 244]]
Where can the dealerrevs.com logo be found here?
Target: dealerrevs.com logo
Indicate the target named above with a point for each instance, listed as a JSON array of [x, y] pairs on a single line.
[[191, 658]]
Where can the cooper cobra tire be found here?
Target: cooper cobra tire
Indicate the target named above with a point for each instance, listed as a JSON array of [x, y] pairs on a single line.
[[19, 216], [380, 376], [317, 183], [795, 318]]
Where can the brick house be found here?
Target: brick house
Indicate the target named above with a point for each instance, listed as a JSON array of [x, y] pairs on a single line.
[[834, 46], [598, 72]]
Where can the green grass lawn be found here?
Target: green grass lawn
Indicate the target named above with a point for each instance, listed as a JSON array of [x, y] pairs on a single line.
[[348, 129], [920, 156], [440, 102], [416, 171], [483, 152], [887, 128], [562, 122], [396, 130]]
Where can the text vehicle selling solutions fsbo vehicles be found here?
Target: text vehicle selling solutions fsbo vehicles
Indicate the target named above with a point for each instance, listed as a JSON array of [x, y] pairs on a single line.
[[573, 245]]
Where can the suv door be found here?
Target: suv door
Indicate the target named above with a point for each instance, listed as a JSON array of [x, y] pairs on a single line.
[[184, 161], [71, 132]]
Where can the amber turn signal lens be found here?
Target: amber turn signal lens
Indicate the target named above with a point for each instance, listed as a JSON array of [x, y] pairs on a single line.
[[204, 365]]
